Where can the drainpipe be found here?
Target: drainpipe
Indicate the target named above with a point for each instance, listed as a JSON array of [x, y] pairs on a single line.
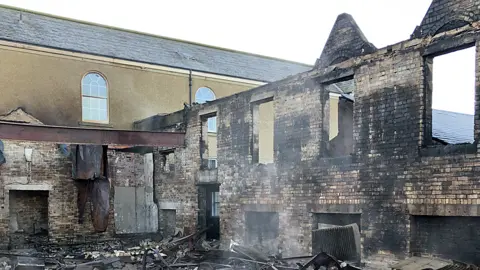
[[190, 87]]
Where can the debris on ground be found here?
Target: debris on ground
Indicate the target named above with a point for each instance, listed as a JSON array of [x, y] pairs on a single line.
[[190, 252], [429, 263], [178, 252]]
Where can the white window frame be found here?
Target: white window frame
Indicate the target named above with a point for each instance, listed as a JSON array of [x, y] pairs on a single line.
[[212, 159], [89, 97]]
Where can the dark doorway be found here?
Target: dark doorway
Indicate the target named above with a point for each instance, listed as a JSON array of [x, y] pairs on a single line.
[[209, 215], [28, 217]]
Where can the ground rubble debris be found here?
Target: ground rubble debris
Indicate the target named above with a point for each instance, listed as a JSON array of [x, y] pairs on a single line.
[[190, 252]]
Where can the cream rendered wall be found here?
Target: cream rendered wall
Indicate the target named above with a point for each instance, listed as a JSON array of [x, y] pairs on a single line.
[[47, 85]]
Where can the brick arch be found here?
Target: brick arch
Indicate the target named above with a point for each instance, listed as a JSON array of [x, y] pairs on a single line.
[[340, 56], [449, 22]]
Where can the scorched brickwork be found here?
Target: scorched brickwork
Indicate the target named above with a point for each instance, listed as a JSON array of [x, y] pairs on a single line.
[[50, 173], [394, 173]]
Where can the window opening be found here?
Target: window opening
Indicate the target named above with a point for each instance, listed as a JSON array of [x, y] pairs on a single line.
[[340, 118], [263, 130], [212, 163], [452, 78], [203, 95], [208, 149]]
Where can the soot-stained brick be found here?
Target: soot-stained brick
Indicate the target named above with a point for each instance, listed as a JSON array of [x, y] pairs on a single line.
[[50, 168], [386, 179], [445, 15]]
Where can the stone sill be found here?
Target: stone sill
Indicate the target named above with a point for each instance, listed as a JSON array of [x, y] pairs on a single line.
[[92, 124]]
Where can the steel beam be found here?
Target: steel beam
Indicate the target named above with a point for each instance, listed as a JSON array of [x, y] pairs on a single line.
[[75, 135]]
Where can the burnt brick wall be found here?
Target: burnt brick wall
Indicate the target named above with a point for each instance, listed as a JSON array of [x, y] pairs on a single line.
[[444, 15], [30, 209], [387, 179], [50, 168], [452, 237], [175, 186]]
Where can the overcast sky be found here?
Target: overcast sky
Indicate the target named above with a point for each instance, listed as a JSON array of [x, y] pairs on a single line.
[[293, 30]]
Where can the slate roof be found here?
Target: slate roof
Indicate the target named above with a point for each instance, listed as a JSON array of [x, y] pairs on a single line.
[[49, 31], [452, 127]]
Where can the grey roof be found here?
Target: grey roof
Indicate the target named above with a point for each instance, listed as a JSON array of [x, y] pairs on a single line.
[[49, 31], [452, 127]]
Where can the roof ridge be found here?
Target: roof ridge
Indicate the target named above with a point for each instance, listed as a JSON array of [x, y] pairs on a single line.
[[148, 34]]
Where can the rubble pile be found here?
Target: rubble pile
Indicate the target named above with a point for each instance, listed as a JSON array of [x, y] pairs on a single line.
[[179, 252]]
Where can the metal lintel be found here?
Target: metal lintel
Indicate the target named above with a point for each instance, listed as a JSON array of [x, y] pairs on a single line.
[[75, 135]]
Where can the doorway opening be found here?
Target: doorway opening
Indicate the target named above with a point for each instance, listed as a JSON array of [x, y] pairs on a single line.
[[209, 214]]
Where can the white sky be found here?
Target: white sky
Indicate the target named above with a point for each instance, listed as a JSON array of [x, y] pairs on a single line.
[[293, 30]]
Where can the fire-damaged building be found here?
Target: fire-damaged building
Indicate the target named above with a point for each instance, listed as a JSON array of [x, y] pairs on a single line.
[[353, 144], [405, 173]]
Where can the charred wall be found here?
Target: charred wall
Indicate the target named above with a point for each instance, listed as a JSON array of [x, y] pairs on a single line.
[[454, 236], [47, 182], [391, 175]]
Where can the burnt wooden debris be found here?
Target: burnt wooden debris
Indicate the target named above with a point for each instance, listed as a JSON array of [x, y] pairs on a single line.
[[175, 252]]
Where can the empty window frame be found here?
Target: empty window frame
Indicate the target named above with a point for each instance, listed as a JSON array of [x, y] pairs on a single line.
[[340, 118], [208, 149], [203, 95], [263, 131], [450, 88], [94, 98], [168, 162]]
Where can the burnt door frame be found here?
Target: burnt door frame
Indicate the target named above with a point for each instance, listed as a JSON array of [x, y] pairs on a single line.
[[205, 215]]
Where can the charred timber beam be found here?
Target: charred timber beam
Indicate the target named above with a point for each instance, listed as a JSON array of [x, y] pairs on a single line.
[[74, 135]]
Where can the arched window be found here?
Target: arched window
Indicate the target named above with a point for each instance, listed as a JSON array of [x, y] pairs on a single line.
[[94, 98], [203, 95]]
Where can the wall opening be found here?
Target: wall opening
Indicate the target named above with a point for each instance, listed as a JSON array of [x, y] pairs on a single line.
[[28, 212], [337, 234], [167, 162], [168, 222], [337, 219], [209, 209], [208, 149], [456, 238], [263, 131], [339, 116], [262, 229], [450, 97]]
